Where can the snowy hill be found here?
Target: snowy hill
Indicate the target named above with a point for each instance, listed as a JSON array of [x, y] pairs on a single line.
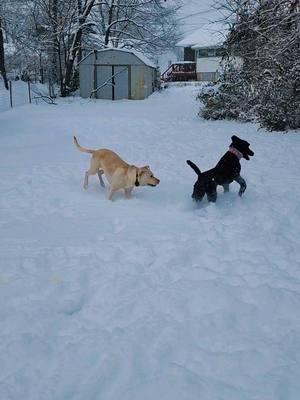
[[148, 298]]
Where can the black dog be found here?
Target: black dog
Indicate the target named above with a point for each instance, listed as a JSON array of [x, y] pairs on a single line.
[[226, 171]]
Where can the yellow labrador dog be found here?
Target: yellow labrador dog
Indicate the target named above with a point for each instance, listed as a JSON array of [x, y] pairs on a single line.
[[119, 174]]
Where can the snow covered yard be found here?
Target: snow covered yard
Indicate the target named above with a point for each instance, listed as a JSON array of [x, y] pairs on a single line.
[[148, 298]]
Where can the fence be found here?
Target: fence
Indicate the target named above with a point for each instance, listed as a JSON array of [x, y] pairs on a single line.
[[21, 93]]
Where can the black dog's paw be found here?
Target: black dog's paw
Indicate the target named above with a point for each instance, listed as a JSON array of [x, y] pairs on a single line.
[[243, 186], [242, 189]]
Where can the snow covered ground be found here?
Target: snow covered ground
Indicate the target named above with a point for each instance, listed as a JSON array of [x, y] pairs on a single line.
[[148, 298]]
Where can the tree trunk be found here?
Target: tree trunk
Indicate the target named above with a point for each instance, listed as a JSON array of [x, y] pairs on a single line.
[[2, 63], [54, 66], [79, 10], [70, 62], [110, 18]]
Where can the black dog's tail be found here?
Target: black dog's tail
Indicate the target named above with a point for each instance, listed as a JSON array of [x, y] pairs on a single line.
[[194, 166]]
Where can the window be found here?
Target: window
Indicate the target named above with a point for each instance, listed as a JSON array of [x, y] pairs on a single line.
[[211, 52], [202, 53]]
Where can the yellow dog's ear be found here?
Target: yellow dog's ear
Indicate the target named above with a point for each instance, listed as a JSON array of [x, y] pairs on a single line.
[[143, 170]]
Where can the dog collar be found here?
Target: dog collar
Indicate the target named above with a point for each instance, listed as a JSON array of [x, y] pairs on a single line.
[[137, 183], [235, 151]]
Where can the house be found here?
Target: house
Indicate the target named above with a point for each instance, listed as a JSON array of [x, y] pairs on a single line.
[[204, 47], [115, 74]]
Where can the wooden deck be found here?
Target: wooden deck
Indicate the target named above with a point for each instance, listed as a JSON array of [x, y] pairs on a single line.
[[180, 71]]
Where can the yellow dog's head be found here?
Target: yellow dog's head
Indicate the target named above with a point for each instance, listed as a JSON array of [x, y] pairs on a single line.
[[145, 177]]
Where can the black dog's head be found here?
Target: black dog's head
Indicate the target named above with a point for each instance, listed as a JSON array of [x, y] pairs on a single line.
[[242, 146]]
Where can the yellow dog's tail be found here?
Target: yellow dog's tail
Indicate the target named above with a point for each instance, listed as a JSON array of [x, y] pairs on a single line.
[[82, 148]]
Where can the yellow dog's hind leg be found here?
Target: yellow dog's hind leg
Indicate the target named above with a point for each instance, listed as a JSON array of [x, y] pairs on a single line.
[[94, 168], [100, 173]]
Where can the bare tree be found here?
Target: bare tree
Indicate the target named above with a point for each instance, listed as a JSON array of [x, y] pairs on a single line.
[[54, 33], [147, 25], [75, 40]]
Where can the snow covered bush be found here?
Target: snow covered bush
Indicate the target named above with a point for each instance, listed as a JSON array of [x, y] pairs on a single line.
[[280, 102], [266, 36], [229, 99]]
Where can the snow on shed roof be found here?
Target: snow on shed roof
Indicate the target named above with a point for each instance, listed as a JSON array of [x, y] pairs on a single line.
[[208, 35], [143, 58], [139, 55]]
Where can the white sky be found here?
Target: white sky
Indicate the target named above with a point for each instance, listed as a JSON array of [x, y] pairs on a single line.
[[197, 13]]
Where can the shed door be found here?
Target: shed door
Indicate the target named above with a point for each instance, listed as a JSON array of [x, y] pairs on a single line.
[[104, 75], [112, 82], [121, 82]]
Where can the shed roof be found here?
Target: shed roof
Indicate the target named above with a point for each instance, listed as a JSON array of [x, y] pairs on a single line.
[[209, 35], [136, 53]]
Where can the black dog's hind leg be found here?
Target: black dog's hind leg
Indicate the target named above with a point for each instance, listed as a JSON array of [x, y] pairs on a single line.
[[212, 197], [211, 191], [226, 187], [243, 186], [199, 191]]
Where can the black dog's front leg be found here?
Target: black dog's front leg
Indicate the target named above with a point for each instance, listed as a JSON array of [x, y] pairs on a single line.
[[243, 186], [226, 187]]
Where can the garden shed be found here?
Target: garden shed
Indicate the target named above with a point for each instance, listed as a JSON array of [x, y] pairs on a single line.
[[115, 74]]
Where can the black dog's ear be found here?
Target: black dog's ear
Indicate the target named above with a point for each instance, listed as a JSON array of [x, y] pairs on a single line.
[[234, 138]]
